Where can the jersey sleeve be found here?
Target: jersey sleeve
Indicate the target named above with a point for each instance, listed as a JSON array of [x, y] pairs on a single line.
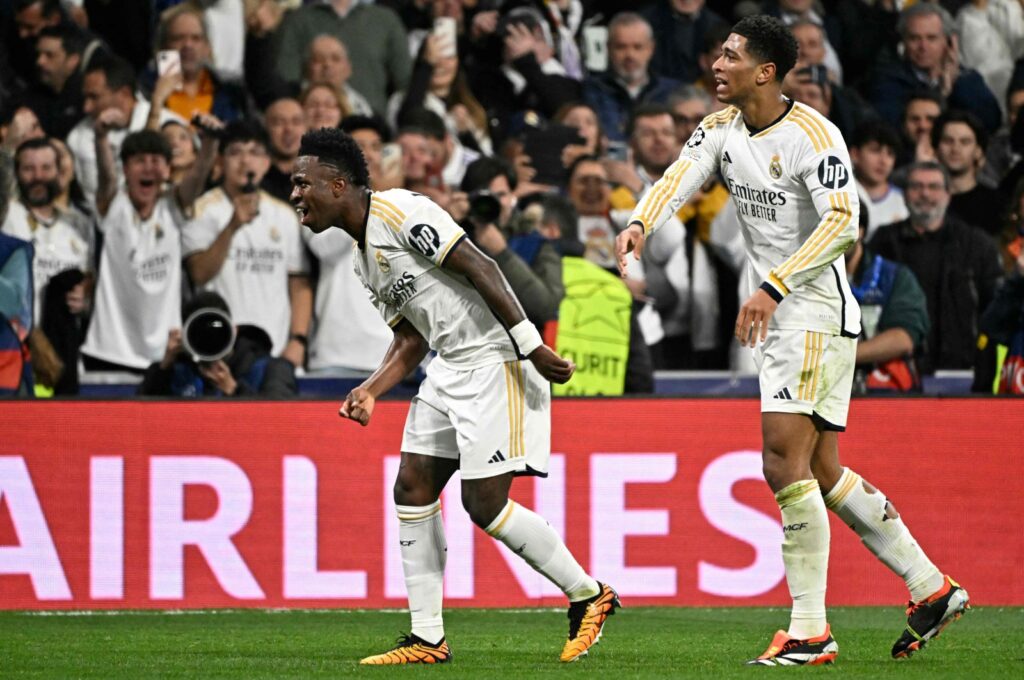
[[697, 161], [430, 231], [199, 233], [826, 171]]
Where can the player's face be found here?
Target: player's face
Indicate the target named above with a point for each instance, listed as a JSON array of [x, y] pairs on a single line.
[[958, 148], [314, 193], [873, 162], [654, 142], [736, 71]]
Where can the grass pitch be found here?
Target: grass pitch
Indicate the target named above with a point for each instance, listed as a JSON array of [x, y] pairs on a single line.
[[524, 644]]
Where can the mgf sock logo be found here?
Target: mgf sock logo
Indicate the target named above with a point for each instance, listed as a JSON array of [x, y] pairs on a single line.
[[786, 528]]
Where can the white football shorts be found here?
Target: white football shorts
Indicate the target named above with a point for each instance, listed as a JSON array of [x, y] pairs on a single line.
[[492, 419], [807, 372]]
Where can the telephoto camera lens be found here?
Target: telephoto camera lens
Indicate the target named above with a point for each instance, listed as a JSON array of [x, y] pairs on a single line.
[[208, 334]]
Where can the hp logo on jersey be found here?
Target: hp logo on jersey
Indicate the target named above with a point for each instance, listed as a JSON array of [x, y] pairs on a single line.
[[832, 173], [425, 239]]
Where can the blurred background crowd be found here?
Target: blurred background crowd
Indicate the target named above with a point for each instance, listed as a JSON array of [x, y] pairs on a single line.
[[146, 148]]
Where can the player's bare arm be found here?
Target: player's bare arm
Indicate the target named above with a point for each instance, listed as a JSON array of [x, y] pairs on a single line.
[[407, 350], [632, 239], [483, 273]]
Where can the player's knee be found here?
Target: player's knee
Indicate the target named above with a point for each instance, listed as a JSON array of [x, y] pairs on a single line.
[[482, 509], [412, 489]]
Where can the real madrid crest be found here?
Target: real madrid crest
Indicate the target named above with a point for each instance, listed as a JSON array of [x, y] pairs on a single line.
[[382, 262], [158, 231], [775, 168], [275, 235]]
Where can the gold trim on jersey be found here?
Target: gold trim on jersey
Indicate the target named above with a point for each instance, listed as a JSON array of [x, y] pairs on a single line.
[[386, 218], [815, 129], [814, 350], [430, 512], [837, 221], [451, 244], [762, 133], [395, 321], [388, 206], [777, 282], [719, 117], [504, 518], [663, 192], [515, 392]]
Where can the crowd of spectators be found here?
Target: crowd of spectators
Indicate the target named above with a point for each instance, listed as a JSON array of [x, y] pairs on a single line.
[[147, 147]]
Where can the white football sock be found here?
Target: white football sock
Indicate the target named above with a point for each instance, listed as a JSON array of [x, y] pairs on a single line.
[[528, 535], [868, 514], [424, 554], [805, 555]]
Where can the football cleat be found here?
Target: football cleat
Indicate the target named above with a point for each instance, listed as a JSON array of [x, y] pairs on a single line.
[[927, 618], [411, 649], [586, 621], [787, 651]]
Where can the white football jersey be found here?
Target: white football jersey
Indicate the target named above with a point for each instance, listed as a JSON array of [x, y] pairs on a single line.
[[138, 289], [797, 202], [347, 330], [66, 243], [408, 237], [254, 277]]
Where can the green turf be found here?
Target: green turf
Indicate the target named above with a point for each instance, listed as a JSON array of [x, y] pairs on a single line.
[[638, 642]]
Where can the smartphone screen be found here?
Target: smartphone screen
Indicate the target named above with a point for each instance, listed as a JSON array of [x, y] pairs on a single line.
[[445, 28], [168, 62]]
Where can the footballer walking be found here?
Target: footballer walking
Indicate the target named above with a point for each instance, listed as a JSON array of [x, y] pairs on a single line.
[[789, 174], [482, 409]]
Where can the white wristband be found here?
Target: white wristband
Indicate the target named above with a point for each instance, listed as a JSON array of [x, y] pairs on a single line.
[[526, 337]]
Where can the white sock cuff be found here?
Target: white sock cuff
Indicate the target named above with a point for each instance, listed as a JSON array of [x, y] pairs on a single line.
[[418, 513], [797, 492], [495, 527], [848, 481]]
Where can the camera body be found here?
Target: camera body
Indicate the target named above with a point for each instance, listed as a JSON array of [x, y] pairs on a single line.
[[484, 207]]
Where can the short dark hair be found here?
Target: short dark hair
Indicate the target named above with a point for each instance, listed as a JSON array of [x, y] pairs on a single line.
[[357, 122], [33, 144], [118, 72], [561, 210], [72, 39], [926, 96], [588, 158], [336, 148], [769, 40], [49, 7], [243, 131], [423, 121], [876, 131], [481, 172], [206, 299], [958, 116], [716, 35], [649, 110], [145, 142]]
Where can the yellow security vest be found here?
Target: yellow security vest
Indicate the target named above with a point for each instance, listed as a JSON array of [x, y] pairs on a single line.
[[593, 329]]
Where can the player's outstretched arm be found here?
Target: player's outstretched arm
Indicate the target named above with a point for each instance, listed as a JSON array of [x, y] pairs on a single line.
[[405, 353], [466, 259]]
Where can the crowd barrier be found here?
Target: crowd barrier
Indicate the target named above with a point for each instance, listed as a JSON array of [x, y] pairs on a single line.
[[180, 505]]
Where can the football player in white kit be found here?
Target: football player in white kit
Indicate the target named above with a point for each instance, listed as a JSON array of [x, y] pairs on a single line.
[[484, 407], [789, 174]]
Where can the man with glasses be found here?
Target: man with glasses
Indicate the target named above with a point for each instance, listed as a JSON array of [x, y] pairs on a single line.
[[956, 264]]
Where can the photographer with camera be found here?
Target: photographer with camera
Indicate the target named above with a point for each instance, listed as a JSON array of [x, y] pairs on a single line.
[[532, 265], [211, 357], [246, 245]]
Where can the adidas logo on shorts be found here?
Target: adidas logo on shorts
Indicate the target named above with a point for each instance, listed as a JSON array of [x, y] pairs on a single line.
[[783, 394], [497, 458]]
